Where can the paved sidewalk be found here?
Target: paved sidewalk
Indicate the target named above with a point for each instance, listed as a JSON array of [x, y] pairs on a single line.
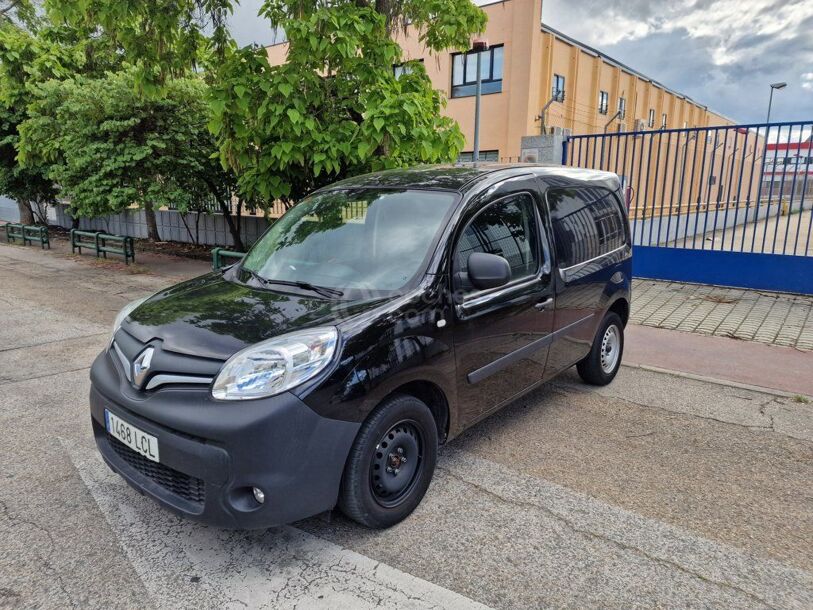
[[765, 317], [743, 362], [147, 262]]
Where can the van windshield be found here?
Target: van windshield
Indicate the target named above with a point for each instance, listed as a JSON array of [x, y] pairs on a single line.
[[374, 241]]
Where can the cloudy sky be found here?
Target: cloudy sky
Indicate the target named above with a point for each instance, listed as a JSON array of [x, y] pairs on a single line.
[[723, 53]]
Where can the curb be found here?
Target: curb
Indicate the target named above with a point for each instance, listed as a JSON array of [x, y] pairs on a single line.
[[716, 381]]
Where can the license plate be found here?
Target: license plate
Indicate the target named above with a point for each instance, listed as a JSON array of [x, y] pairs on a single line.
[[137, 440]]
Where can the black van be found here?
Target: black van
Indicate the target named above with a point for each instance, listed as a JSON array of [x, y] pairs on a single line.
[[375, 321]]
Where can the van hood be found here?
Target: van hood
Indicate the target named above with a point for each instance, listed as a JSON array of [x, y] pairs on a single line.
[[212, 317]]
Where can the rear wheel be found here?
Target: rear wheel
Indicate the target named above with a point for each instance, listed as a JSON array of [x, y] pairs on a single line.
[[391, 463], [602, 363]]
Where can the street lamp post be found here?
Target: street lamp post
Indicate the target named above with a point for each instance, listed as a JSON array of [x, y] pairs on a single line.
[[478, 47], [774, 86]]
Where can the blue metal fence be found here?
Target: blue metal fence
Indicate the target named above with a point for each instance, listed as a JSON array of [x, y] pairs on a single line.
[[729, 204]]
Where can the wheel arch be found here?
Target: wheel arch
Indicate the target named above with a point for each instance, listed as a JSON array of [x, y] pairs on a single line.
[[433, 396], [621, 307]]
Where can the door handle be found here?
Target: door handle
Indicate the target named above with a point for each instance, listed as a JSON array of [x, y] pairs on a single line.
[[542, 305]]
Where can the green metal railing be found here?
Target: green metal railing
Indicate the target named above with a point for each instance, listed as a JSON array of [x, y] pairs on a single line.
[[122, 245], [28, 234], [220, 254], [103, 244], [84, 239]]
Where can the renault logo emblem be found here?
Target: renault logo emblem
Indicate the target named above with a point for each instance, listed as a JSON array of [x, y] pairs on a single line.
[[141, 366]]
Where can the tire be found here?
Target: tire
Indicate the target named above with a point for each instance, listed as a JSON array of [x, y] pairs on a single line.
[[596, 370], [390, 464]]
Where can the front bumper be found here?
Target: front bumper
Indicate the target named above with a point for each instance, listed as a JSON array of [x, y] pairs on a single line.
[[213, 453]]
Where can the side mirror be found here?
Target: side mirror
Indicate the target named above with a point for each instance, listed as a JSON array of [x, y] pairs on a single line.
[[488, 270]]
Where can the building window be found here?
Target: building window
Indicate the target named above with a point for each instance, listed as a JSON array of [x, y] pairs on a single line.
[[603, 102], [485, 155], [622, 108], [405, 68], [651, 122], [558, 90], [664, 120], [464, 72]]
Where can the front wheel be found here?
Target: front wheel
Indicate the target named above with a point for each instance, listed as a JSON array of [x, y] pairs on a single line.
[[600, 366], [391, 463]]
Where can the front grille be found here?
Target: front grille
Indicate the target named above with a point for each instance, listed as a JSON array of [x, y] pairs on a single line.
[[189, 488]]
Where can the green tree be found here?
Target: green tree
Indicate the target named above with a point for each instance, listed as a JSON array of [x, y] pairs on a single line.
[[29, 57], [29, 187], [335, 108], [163, 39], [113, 148], [17, 11], [23, 58]]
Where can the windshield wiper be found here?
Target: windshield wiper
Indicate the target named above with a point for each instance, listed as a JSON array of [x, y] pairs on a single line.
[[323, 290]]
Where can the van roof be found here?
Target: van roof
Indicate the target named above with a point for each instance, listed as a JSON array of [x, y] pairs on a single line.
[[463, 176]]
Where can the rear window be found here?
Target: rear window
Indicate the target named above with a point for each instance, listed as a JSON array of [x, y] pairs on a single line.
[[587, 223]]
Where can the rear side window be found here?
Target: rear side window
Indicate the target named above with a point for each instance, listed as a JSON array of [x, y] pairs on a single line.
[[587, 223], [506, 228]]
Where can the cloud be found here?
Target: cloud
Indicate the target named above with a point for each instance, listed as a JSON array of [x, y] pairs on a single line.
[[722, 53], [249, 28]]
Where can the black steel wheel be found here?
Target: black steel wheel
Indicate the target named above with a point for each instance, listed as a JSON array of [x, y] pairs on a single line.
[[391, 463], [602, 363], [397, 462]]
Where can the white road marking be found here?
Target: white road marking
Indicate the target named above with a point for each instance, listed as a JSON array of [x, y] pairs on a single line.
[[185, 564]]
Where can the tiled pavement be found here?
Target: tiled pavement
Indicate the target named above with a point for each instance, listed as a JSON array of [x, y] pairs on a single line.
[[774, 318]]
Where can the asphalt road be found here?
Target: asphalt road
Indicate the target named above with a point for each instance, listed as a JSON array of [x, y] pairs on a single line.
[[657, 491]]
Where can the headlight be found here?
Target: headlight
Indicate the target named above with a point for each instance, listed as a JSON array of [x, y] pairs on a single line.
[[125, 311], [276, 365]]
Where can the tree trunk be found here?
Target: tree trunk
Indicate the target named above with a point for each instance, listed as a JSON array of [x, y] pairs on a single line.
[[152, 224], [26, 215], [40, 211], [234, 229]]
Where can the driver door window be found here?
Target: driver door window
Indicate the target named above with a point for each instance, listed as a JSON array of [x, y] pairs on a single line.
[[506, 228]]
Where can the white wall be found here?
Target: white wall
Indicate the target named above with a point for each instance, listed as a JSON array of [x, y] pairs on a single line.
[[8, 210]]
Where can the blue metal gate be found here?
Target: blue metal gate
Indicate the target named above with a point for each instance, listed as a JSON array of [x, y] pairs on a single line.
[[727, 205]]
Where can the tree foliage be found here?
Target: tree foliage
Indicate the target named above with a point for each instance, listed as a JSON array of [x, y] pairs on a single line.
[[23, 58], [163, 39], [335, 108], [29, 58], [112, 148], [20, 12], [109, 100]]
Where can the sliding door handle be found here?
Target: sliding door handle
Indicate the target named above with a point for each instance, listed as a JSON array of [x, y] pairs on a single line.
[[542, 305]]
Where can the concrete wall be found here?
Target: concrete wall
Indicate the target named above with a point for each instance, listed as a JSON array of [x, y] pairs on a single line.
[[8, 210], [213, 228], [673, 228]]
